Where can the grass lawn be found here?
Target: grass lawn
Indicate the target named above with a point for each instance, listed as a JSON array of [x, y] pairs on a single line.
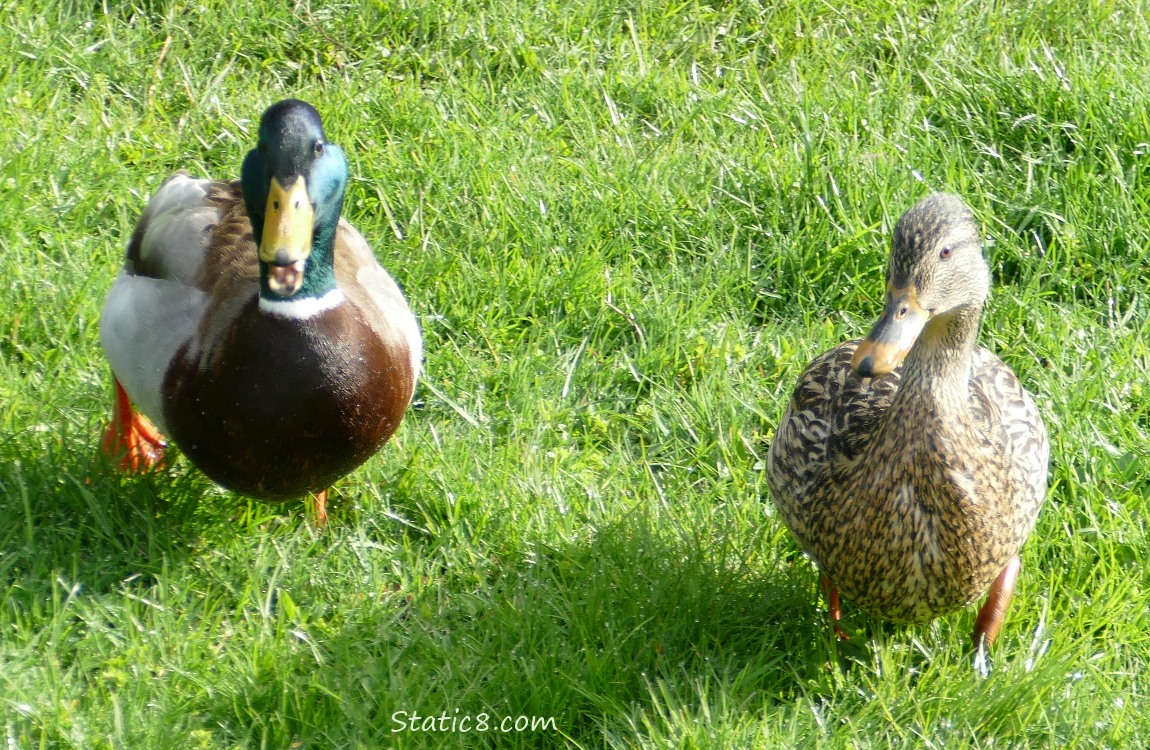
[[625, 228]]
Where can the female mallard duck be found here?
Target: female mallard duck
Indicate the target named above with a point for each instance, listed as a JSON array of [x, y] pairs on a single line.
[[914, 487], [253, 325]]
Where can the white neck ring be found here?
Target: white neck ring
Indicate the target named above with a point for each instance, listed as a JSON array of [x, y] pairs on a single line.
[[302, 308]]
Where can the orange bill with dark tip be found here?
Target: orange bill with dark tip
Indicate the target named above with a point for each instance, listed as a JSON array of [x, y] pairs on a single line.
[[892, 336]]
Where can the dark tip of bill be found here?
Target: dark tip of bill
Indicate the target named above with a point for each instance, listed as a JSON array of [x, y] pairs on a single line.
[[865, 367]]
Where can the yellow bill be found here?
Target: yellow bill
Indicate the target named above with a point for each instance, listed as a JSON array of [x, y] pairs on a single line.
[[286, 242]]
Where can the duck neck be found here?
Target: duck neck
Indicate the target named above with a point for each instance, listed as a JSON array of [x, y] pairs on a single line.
[[319, 292], [938, 368]]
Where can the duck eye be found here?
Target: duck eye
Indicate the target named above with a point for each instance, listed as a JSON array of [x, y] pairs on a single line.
[[946, 252], [317, 149]]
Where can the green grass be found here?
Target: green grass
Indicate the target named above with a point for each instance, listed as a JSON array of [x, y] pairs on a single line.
[[626, 228]]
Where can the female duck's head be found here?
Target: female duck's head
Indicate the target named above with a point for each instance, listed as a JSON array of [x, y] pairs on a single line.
[[936, 270]]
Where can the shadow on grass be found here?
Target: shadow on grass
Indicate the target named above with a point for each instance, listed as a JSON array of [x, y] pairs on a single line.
[[66, 518], [594, 634]]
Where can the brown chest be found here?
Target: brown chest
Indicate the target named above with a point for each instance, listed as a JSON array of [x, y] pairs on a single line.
[[278, 408]]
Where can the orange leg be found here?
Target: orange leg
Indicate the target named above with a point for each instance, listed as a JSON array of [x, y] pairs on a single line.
[[834, 608], [993, 612], [131, 439], [319, 508]]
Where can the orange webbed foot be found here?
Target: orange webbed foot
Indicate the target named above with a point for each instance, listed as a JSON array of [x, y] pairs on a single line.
[[131, 440], [319, 508], [834, 607], [993, 612]]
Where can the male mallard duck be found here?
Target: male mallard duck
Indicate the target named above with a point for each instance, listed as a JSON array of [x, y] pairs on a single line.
[[253, 325], [913, 487]]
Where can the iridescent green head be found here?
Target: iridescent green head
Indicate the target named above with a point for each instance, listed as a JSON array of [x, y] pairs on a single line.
[[294, 182]]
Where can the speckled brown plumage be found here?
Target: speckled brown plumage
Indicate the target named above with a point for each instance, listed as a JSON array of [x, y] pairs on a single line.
[[915, 488]]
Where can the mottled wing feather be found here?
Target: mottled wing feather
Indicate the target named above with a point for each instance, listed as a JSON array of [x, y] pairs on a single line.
[[229, 274], [157, 302], [828, 422], [1013, 410]]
